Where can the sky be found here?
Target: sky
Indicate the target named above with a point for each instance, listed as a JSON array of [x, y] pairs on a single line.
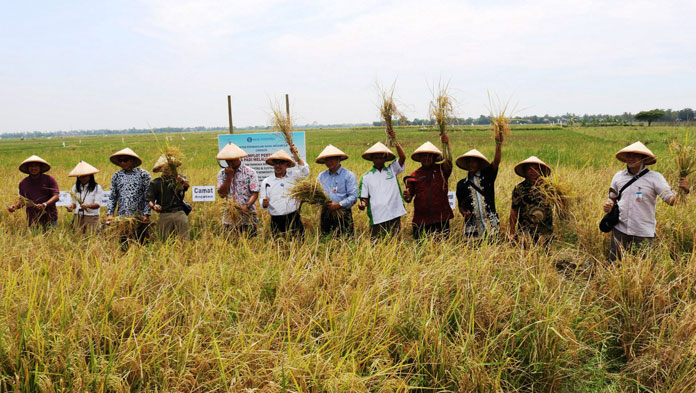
[[78, 65]]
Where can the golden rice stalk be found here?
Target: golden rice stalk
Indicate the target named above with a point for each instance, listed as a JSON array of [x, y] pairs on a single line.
[[500, 119], [24, 201], [441, 111], [309, 191], [282, 123], [685, 157], [76, 197], [387, 109], [559, 193], [123, 225]]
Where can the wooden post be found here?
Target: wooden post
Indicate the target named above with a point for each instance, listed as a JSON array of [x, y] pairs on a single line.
[[287, 106], [229, 113]]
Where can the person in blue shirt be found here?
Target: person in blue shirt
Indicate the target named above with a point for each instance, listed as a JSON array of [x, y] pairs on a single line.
[[341, 185]]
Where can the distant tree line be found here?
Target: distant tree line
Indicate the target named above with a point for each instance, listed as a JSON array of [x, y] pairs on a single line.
[[627, 118]]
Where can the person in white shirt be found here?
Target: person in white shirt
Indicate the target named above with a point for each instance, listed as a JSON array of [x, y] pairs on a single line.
[[86, 198], [275, 192], [636, 224], [379, 189]]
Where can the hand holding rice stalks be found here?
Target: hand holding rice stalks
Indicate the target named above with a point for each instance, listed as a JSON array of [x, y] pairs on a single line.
[[309, 191], [500, 119], [441, 111], [282, 123], [388, 110], [233, 212], [120, 226]]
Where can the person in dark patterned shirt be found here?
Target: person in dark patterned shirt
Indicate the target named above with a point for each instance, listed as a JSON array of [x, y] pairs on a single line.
[[128, 189], [40, 192], [531, 214], [476, 192]]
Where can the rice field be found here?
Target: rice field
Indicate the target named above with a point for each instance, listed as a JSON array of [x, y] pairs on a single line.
[[221, 314]]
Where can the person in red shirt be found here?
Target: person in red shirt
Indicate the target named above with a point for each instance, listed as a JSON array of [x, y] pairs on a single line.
[[427, 187], [39, 193]]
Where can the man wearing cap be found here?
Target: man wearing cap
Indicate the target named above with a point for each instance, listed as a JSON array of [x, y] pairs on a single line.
[[428, 185], [86, 198], [531, 213], [275, 191], [476, 192], [128, 189], [341, 186], [380, 191], [637, 203], [165, 195], [40, 192], [241, 183]]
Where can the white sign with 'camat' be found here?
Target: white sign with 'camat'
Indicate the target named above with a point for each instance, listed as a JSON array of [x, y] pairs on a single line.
[[203, 193]]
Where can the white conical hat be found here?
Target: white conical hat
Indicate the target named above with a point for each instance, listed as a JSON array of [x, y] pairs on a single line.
[[331, 151], [639, 148], [231, 152], [164, 160], [519, 168], [125, 152], [429, 148], [473, 153], [83, 169], [378, 148], [45, 166], [281, 155]]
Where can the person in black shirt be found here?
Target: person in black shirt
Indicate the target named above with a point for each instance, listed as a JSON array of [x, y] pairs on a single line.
[[476, 192], [166, 196]]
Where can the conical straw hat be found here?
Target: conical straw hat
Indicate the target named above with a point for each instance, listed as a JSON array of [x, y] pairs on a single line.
[[45, 166], [162, 161], [83, 169], [231, 152], [519, 168], [281, 155], [126, 152], [473, 153], [639, 148], [331, 151], [378, 148], [429, 148]]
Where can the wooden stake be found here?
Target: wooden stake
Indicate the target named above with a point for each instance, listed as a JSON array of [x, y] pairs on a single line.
[[229, 113]]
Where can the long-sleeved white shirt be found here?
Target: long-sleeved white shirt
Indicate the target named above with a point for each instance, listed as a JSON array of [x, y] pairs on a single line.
[[277, 190]]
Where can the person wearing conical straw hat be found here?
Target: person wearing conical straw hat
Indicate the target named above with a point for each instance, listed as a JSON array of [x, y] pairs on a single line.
[[636, 226], [531, 214], [165, 195], [428, 185], [86, 198], [341, 186], [476, 192], [38, 192], [275, 192], [380, 191], [241, 184], [128, 188]]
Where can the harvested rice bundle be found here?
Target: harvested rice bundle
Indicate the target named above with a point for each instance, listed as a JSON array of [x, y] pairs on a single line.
[[121, 226], [309, 191], [283, 124], [559, 193], [232, 211], [24, 201], [685, 156], [441, 111], [500, 119], [388, 109]]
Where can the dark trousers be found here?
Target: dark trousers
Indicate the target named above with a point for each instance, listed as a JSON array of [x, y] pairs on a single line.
[[336, 222], [621, 241], [438, 228], [287, 223], [391, 227]]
